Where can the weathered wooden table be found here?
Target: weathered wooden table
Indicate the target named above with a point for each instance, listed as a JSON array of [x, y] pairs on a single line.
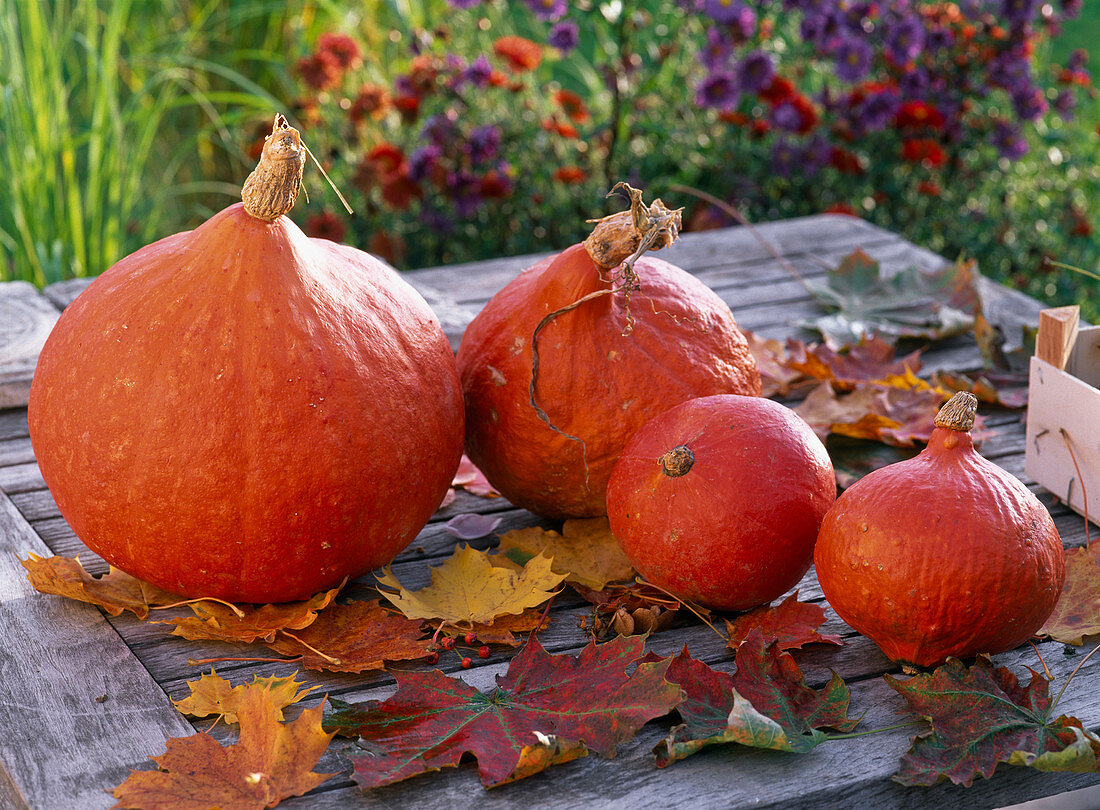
[[85, 697]]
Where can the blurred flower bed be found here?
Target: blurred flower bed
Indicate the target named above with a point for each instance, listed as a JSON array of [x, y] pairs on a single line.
[[498, 129]]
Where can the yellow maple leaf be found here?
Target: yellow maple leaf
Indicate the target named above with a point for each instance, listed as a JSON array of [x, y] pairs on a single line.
[[467, 588], [212, 694], [586, 552], [115, 591]]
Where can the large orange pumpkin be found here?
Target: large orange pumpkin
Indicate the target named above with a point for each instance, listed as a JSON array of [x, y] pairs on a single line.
[[944, 554], [580, 350], [244, 412]]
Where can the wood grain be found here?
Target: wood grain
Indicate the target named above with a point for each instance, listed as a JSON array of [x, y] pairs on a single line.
[[26, 318]]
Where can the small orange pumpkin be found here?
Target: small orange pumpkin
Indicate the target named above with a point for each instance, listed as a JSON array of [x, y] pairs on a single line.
[[944, 554]]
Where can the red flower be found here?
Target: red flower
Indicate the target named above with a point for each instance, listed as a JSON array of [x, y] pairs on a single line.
[[494, 186], [738, 119], [372, 100], [399, 191], [807, 113], [321, 71], [1080, 225], [573, 105], [408, 106], [844, 161], [388, 158], [778, 90], [570, 175], [759, 128], [918, 114], [841, 208], [564, 129], [342, 48], [385, 246], [520, 54], [326, 225], [498, 79], [924, 151], [929, 188]]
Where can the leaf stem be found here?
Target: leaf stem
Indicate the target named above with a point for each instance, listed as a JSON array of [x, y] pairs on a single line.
[[851, 734], [1058, 697], [688, 605], [239, 613]]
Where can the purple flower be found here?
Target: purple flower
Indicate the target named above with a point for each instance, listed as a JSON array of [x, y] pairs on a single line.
[[1065, 103], [1019, 11], [478, 72], [564, 35], [1029, 103], [463, 189], [815, 155], [548, 10], [877, 109], [1077, 60], [435, 220], [939, 38], [755, 71], [724, 12], [440, 129], [1009, 70], [483, 143], [422, 161], [1071, 9], [853, 59], [1008, 140], [821, 28], [786, 116], [904, 39], [719, 90], [715, 55], [785, 156]]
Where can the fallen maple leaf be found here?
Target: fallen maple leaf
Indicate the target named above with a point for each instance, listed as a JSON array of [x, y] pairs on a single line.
[[886, 413], [586, 552], [270, 762], [777, 377], [246, 624], [1077, 612], [212, 694], [115, 591], [432, 720], [502, 630], [909, 303], [871, 359], [468, 588], [764, 704], [982, 716], [356, 637], [791, 624]]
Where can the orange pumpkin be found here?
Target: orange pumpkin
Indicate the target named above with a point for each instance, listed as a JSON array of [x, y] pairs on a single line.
[[582, 349], [718, 500], [944, 554], [244, 412]]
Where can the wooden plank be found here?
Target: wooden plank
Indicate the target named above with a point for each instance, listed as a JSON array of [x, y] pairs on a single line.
[[78, 710], [26, 318]]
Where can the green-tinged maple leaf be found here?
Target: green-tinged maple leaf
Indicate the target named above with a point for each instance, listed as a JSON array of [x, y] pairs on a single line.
[[910, 303], [271, 761], [432, 719], [1077, 613], [467, 587], [871, 359], [765, 703], [982, 716], [213, 695], [245, 624], [791, 624], [891, 414]]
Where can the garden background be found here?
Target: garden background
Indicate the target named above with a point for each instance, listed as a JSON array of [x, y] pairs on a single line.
[[462, 129]]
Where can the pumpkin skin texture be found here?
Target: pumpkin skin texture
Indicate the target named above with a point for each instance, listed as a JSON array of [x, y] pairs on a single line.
[[719, 500], [605, 368], [244, 412], [944, 554]]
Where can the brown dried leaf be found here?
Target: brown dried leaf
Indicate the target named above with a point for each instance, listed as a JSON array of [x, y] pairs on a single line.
[[115, 591], [356, 637], [1077, 613], [217, 622]]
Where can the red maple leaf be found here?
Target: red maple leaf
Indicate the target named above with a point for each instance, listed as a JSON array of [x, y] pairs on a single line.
[[547, 709]]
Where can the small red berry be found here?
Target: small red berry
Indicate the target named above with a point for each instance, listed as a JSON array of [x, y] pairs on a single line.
[[431, 658], [469, 638], [467, 663], [448, 643], [483, 651]]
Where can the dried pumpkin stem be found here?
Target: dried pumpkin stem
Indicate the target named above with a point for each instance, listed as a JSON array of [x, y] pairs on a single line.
[[958, 412], [620, 239], [271, 189], [677, 461]]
